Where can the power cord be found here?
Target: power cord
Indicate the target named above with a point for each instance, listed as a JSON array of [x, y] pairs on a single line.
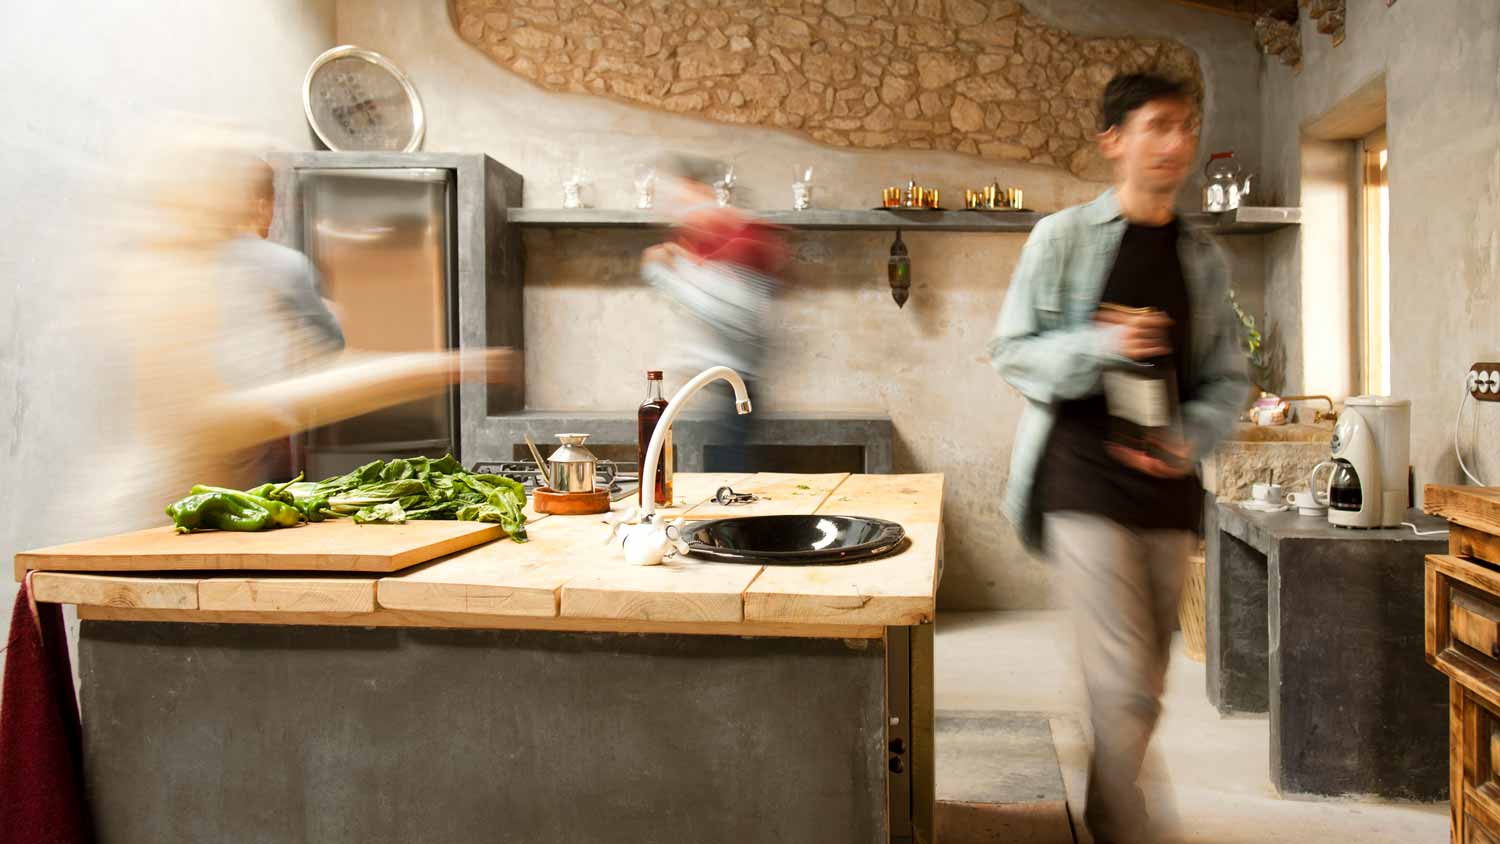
[[1424, 532], [1473, 435]]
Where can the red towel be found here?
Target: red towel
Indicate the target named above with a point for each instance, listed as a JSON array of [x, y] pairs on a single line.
[[41, 752]]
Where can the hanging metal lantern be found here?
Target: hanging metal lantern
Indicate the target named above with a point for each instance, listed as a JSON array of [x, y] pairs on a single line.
[[899, 271]]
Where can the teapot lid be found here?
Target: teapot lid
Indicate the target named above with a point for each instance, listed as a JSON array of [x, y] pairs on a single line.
[[572, 450]]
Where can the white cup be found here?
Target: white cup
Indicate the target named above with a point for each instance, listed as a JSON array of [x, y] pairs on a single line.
[[1306, 503], [1266, 493]]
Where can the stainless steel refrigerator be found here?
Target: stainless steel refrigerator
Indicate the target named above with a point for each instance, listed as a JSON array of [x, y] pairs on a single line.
[[384, 243]]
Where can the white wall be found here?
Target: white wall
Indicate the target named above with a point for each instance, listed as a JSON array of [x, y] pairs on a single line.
[[83, 81], [842, 344], [1440, 62]]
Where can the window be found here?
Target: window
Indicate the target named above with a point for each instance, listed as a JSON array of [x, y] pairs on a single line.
[[1374, 294]]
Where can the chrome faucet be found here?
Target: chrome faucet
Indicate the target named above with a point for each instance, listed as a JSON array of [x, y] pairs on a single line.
[[663, 425]]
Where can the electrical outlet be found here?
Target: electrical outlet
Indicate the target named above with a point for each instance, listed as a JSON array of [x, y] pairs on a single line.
[[1483, 381]]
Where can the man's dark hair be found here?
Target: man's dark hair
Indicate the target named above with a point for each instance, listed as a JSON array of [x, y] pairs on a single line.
[[1129, 91]]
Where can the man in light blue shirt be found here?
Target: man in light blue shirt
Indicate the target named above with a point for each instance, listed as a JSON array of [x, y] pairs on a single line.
[[1119, 515]]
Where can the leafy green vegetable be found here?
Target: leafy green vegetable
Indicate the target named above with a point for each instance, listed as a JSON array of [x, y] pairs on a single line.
[[388, 513], [415, 488], [379, 492]]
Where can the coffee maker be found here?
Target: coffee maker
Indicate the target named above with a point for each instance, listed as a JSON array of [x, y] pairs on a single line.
[[1367, 485]]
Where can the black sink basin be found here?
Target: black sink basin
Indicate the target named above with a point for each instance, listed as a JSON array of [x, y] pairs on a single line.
[[794, 540]]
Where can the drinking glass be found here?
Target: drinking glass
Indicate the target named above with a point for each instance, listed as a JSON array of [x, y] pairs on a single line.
[[645, 186], [573, 187], [802, 187], [724, 188]]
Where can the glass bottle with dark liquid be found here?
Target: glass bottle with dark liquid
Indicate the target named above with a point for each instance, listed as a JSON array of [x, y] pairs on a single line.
[[1144, 412], [646, 419]]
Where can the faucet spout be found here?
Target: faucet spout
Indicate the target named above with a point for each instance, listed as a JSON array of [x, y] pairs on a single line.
[[674, 407], [1318, 415]]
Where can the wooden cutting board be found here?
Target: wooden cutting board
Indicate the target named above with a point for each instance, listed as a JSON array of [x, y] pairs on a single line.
[[325, 546]]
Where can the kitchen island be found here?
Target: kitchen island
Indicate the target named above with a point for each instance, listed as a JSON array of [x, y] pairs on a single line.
[[533, 692]]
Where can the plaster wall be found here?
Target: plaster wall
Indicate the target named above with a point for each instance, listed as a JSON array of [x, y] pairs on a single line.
[[841, 344], [83, 88], [1443, 126]]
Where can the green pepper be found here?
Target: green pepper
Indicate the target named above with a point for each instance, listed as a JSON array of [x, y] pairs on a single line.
[[280, 513], [217, 511], [276, 492], [314, 507]]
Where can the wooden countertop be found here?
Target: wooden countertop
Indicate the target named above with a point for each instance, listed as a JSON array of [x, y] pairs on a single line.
[[1474, 507], [566, 578]]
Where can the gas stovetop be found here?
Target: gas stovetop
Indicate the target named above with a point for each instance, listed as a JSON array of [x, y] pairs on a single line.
[[618, 478]]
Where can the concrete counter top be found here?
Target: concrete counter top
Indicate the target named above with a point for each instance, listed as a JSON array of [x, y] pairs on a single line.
[[1261, 530], [566, 578], [1322, 627]]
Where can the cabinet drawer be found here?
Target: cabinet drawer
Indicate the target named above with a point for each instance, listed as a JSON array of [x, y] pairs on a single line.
[[1475, 832], [1474, 620], [1463, 624], [1479, 755]]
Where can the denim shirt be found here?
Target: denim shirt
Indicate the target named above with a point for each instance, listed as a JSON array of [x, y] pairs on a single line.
[[1048, 346]]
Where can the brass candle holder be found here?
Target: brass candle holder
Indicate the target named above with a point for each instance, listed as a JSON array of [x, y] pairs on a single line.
[[913, 196], [992, 197]]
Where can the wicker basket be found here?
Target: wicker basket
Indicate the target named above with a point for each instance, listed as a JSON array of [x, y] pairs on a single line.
[[1190, 609]]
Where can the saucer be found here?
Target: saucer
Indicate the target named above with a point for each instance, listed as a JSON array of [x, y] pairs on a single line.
[[1312, 511], [1262, 506]]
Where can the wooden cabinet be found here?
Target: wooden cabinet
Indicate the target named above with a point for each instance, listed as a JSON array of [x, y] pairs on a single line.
[[1463, 641], [1477, 834], [1475, 760]]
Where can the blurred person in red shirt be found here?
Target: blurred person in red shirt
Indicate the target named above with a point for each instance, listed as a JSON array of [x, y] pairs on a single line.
[[722, 267]]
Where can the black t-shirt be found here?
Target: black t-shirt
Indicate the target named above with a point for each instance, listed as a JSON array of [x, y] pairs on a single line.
[[1076, 473]]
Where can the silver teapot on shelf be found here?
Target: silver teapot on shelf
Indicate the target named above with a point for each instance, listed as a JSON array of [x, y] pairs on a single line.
[[1225, 184]]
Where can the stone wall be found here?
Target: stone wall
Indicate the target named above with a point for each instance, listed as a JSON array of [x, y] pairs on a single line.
[[984, 78]]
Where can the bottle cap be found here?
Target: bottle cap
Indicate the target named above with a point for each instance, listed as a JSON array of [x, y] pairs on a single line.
[[653, 375]]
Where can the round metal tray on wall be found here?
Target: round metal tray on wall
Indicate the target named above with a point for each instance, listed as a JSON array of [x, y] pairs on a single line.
[[358, 100]]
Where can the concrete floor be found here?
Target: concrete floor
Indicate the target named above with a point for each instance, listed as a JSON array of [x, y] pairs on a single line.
[[1216, 770]]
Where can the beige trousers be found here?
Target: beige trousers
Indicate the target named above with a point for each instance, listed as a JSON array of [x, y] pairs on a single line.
[[1124, 586]]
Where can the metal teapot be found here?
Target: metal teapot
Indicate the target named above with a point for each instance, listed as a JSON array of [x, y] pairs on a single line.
[[572, 465], [1225, 186]]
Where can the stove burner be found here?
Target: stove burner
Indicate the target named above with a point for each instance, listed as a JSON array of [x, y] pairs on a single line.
[[607, 474]]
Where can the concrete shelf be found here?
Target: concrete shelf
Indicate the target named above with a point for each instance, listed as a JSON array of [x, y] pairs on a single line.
[[1243, 221]]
